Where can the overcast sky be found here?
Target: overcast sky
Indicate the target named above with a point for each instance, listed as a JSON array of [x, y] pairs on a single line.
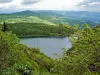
[[70, 5]]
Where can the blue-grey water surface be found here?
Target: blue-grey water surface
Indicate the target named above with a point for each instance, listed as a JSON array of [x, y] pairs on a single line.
[[48, 46]]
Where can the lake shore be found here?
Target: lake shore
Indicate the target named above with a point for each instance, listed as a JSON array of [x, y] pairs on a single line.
[[41, 36]]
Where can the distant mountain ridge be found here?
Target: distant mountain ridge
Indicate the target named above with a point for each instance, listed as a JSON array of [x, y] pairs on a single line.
[[63, 17]]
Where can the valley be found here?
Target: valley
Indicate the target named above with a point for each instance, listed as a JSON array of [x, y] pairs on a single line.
[[49, 42]]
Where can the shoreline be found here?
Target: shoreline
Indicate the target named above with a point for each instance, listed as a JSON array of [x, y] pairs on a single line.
[[41, 36]]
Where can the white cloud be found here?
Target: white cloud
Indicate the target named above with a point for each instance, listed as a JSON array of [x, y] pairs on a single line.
[[14, 5], [94, 3], [82, 6], [8, 5], [57, 4], [30, 1], [44, 4]]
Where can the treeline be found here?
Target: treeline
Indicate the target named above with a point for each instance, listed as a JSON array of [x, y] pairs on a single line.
[[84, 56], [39, 29]]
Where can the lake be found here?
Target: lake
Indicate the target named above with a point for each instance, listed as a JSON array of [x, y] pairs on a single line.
[[47, 45]]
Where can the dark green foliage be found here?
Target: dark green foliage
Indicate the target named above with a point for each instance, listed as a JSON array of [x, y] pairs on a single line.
[[39, 29], [4, 27]]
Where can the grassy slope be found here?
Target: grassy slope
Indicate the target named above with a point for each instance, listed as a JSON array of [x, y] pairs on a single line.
[[23, 19], [30, 19]]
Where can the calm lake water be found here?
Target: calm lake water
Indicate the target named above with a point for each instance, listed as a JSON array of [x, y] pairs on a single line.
[[48, 46]]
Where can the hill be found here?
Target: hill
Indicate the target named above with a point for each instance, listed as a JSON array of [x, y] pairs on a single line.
[[29, 19], [64, 17], [58, 17], [23, 19]]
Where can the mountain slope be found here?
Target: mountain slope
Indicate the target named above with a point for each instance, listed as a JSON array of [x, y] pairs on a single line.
[[59, 17], [64, 17], [29, 19]]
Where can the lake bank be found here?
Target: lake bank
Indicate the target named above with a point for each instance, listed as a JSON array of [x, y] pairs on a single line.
[[41, 36]]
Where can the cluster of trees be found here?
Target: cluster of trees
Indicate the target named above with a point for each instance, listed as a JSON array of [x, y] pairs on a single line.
[[39, 29], [18, 59], [84, 56]]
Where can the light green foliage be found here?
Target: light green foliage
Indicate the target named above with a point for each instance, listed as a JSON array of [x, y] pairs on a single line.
[[83, 57], [29, 19], [6, 47], [17, 59]]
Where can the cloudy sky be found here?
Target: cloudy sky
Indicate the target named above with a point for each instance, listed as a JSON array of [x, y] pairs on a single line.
[[20, 5]]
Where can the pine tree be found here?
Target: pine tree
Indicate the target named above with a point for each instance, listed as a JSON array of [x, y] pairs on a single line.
[[4, 27]]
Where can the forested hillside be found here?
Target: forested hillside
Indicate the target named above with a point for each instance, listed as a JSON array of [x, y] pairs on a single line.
[[84, 56], [18, 59], [81, 59], [39, 29]]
